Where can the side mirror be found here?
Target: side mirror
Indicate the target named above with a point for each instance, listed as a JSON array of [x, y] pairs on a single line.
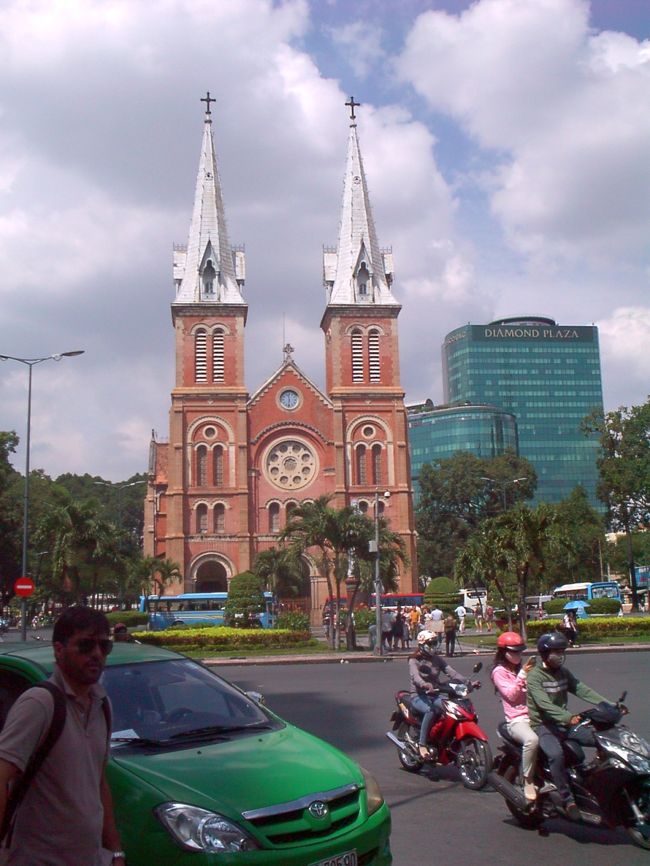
[[477, 667], [257, 697]]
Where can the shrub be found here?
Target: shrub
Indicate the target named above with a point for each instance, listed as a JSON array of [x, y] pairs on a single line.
[[223, 638], [245, 600], [364, 617], [596, 605], [293, 620], [610, 626], [128, 617], [443, 593]]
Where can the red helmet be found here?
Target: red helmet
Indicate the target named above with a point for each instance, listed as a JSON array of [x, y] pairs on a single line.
[[512, 641]]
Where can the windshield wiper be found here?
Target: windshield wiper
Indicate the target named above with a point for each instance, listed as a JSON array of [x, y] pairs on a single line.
[[221, 729]]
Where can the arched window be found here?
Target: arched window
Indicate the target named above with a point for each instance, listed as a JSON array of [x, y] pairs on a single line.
[[217, 356], [380, 507], [217, 466], [357, 356], [201, 356], [201, 466], [201, 518], [376, 464], [288, 509], [209, 275], [363, 507], [274, 517], [361, 465], [363, 280], [373, 356], [219, 517]]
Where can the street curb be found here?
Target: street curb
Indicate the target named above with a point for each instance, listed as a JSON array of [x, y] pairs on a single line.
[[368, 658]]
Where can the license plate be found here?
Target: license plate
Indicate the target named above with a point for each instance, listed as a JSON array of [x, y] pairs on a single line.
[[347, 859]]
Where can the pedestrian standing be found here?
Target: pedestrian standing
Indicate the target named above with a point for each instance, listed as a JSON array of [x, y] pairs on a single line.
[[450, 634], [489, 617], [65, 817], [478, 618], [461, 613]]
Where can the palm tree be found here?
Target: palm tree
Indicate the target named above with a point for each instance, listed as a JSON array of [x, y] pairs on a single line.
[[483, 562], [334, 533], [280, 570]]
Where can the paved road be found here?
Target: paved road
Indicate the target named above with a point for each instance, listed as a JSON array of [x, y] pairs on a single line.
[[436, 820]]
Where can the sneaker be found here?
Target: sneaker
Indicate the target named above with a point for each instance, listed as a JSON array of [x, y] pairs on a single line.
[[571, 809]]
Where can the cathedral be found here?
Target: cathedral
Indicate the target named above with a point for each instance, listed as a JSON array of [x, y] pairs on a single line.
[[222, 486]]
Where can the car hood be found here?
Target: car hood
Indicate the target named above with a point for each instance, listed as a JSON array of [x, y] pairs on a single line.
[[242, 773]]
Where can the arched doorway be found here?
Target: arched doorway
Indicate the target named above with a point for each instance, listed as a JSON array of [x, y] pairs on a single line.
[[211, 576]]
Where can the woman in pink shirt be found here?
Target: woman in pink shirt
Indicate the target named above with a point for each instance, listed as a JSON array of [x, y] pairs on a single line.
[[509, 678]]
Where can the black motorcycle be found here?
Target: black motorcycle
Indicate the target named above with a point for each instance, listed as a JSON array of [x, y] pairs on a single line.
[[612, 789]]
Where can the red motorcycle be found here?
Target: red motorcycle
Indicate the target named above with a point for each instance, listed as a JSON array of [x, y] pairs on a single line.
[[454, 738]]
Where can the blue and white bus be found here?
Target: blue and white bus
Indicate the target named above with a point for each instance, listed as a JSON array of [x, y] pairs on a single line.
[[587, 590], [195, 608]]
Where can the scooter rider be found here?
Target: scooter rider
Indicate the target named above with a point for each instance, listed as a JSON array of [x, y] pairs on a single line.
[[425, 668], [548, 685], [509, 677]]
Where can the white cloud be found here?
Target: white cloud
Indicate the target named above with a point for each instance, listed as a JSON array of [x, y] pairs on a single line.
[[559, 106], [360, 44], [624, 341]]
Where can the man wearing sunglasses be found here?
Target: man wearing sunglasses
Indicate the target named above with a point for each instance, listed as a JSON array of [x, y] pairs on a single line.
[[65, 817]]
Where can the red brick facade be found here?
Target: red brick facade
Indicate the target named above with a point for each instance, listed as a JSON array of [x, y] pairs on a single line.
[[234, 465]]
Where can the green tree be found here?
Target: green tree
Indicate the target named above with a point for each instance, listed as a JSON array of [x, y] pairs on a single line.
[[245, 600], [483, 562], [10, 517], [332, 535], [280, 570], [579, 555], [443, 593], [457, 494], [624, 466]]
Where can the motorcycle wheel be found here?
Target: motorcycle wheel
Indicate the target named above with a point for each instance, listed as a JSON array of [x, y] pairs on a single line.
[[529, 820], [641, 797], [474, 761], [406, 758]]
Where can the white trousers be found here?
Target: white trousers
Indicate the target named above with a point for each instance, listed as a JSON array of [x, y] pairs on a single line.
[[521, 731]]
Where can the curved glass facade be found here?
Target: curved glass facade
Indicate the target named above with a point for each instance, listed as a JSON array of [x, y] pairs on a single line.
[[439, 433], [548, 376]]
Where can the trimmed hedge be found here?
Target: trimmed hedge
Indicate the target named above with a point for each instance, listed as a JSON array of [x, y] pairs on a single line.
[[292, 620], [596, 605], [128, 617], [606, 626], [223, 638], [443, 593]]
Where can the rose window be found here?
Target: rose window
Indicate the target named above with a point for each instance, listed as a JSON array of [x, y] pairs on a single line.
[[291, 465]]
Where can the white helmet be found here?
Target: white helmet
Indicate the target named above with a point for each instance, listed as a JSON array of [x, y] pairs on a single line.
[[425, 637]]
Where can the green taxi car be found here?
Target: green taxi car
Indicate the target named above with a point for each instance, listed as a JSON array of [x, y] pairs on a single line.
[[202, 773]]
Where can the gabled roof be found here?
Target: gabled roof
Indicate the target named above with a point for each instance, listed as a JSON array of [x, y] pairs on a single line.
[[287, 365], [208, 226]]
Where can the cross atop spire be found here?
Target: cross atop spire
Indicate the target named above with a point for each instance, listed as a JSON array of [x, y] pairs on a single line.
[[352, 105], [207, 99]]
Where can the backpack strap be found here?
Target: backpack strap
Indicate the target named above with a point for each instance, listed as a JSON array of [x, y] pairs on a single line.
[[22, 784]]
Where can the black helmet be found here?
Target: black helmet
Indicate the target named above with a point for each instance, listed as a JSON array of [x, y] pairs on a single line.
[[551, 641]]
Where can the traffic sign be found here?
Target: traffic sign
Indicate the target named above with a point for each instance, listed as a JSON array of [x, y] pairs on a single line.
[[24, 586]]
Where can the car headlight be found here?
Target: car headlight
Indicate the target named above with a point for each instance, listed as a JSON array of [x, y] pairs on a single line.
[[374, 796], [199, 830]]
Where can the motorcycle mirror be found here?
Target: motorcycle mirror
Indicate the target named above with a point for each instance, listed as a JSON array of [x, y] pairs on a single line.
[[622, 697], [477, 667]]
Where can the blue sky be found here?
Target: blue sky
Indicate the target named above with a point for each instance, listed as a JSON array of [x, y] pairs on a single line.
[[506, 148]]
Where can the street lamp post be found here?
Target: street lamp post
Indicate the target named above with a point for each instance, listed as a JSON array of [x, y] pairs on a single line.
[[374, 548], [30, 362], [502, 485]]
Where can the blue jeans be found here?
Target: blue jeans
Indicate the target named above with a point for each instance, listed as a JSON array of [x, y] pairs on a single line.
[[431, 707]]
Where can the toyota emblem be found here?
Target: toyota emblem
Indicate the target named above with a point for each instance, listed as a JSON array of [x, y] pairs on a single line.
[[318, 809]]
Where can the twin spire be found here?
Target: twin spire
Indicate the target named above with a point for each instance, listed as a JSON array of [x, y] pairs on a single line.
[[210, 271]]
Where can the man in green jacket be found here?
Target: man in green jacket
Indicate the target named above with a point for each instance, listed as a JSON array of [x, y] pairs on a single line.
[[548, 685]]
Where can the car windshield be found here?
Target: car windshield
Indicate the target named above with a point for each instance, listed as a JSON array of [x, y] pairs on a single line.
[[167, 701]]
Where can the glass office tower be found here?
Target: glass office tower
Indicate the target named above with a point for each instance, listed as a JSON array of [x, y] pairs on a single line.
[[439, 432], [548, 376]]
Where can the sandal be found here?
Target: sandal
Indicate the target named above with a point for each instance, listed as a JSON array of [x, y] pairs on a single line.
[[424, 752]]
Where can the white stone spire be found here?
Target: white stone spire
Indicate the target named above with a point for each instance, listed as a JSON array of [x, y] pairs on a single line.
[[358, 271], [208, 270]]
